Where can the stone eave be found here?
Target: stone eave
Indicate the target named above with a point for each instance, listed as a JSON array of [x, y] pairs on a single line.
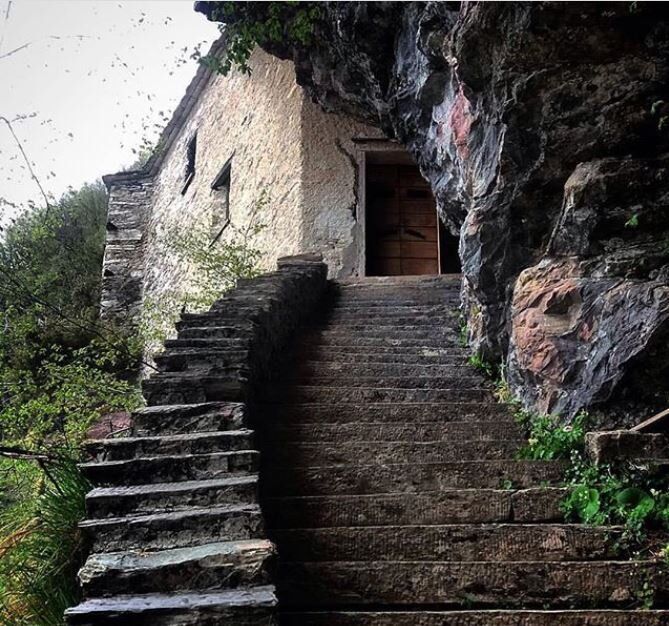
[[171, 131]]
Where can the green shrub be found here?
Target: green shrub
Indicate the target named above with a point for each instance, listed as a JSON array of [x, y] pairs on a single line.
[[634, 496], [549, 439]]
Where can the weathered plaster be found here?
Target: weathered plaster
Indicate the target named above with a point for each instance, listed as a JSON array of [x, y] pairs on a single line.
[[280, 143]]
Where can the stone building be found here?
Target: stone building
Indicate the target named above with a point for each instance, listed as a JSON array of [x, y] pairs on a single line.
[[330, 184]]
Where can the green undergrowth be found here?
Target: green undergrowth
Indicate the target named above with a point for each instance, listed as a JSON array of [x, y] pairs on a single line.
[[41, 546], [632, 496], [61, 370]]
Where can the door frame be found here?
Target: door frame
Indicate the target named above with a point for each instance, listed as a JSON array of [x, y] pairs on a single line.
[[365, 147]]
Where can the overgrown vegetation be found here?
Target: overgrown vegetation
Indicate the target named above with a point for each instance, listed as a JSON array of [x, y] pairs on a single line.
[[60, 370], [213, 268], [247, 24], [41, 547], [632, 496]]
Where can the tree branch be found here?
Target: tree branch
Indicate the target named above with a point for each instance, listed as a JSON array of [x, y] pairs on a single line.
[[13, 452], [26, 159]]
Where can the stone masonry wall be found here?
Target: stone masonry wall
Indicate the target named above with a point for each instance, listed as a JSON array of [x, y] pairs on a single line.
[[280, 145], [128, 207]]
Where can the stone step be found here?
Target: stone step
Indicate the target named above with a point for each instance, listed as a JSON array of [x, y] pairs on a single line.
[[317, 454], [178, 359], [246, 607], [403, 291], [445, 280], [385, 300], [433, 617], [604, 584], [419, 281], [360, 342], [416, 354], [175, 529], [232, 317], [454, 506], [411, 478], [169, 468], [375, 412], [492, 543], [193, 387], [466, 378], [228, 564], [189, 418], [222, 344], [211, 331], [390, 431], [429, 310], [243, 320], [364, 395], [196, 443], [433, 317], [163, 497], [320, 369], [442, 333]]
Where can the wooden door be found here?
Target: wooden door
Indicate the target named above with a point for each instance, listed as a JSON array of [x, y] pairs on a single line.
[[402, 229]]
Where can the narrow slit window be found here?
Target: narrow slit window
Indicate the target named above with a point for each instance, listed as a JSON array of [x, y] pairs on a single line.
[[220, 217], [191, 150]]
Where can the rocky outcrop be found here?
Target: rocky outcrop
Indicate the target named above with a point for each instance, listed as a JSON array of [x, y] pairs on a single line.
[[541, 128]]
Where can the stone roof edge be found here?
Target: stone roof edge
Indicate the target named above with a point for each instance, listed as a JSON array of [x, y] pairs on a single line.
[[170, 132]]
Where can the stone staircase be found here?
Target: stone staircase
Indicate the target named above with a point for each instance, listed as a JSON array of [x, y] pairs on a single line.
[[377, 466]]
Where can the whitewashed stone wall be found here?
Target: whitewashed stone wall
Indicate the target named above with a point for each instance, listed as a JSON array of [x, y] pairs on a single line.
[[281, 144]]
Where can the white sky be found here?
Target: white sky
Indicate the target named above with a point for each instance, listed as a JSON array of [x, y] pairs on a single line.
[[96, 79]]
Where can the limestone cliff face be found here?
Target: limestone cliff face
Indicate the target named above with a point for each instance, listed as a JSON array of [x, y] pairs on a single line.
[[541, 128]]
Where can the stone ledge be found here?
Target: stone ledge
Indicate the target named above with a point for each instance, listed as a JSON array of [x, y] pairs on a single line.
[[625, 445]]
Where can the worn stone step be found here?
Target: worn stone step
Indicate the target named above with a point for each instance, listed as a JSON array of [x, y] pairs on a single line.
[[411, 478], [402, 283], [179, 359], [387, 354], [408, 412], [317, 454], [464, 378], [392, 431], [193, 387], [323, 369], [163, 497], [400, 290], [196, 443], [446, 280], [428, 317], [416, 308], [240, 331], [362, 343], [380, 300], [232, 317], [227, 343], [493, 543], [476, 618], [604, 584], [244, 606], [175, 529], [189, 418], [228, 564], [169, 468], [364, 395], [454, 506], [442, 333]]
